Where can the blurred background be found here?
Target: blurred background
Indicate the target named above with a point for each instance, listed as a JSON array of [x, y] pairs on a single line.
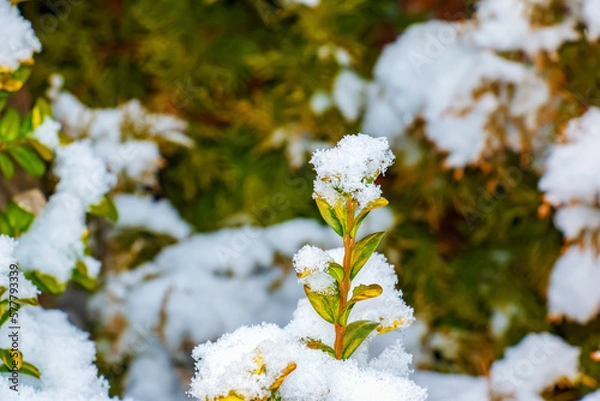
[[261, 84]]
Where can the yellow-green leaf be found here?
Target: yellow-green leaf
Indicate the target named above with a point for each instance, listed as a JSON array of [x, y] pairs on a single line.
[[336, 271], [28, 301], [81, 276], [7, 357], [322, 304], [329, 215], [6, 310], [320, 345], [363, 251], [46, 283], [41, 110], [376, 204], [363, 292], [106, 208], [356, 333], [43, 150], [30, 370]]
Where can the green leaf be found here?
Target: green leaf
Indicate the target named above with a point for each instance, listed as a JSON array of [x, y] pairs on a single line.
[[363, 251], [81, 276], [22, 74], [376, 204], [4, 226], [356, 333], [46, 283], [322, 304], [2, 102], [26, 126], [336, 271], [330, 216], [7, 166], [30, 370], [18, 218], [28, 159], [364, 292], [106, 208], [9, 126], [318, 344], [5, 311]]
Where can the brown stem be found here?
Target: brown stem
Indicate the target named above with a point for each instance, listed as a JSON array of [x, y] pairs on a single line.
[[340, 329]]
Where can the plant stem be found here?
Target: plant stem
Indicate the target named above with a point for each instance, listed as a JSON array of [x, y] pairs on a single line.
[[340, 329]]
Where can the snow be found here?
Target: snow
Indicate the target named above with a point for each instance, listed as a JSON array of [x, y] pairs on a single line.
[[531, 366], [347, 95], [152, 378], [510, 25], [125, 138], [573, 289], [320, 102], [82, 174], [312, 267], [62, 353], [47, 133], [538, 362], [249, 361], [229, 272], [576, 219], [7, 259], [53, 244], [432, 71], [350, 168], [571, 167], [452, 387], [591, 16], [157, 216], [592, 397], [19, 41], [571, 184]]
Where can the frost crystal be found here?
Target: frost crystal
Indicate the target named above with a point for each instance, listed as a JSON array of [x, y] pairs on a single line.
[[350, 169]]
